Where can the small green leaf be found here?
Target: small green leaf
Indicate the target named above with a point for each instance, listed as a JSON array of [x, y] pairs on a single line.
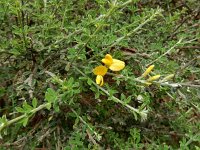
[[34, 102], [26, 107], [50, 95], [25, 121], [123, 97], [70, 82], [48, 106], [15, 52], [97, 95], [135, 115], [127, 100], [118, 82], [19, 109], [56, 108], [89, 81], [3, 119]]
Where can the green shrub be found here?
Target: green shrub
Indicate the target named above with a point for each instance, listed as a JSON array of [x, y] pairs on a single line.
[[145, 95]]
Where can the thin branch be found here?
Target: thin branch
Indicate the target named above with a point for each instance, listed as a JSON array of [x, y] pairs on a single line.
[[89, 127], [134, 110], [168, 51], [10, 122]]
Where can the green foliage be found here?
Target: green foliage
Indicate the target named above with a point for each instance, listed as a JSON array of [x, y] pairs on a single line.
[[48, 94]]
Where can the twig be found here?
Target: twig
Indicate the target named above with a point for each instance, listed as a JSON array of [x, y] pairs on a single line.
[[10, 122], [158, 11], [178, 71], [134, 110], [174, 85], [168, 51], [89, 127], [23, 139], [193, 138]]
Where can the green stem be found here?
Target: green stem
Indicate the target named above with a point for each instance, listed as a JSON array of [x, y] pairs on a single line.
[[132, 32], [23, 116], [134, 110], [137, 28], [168, 51], [158, 82], [89, 127]]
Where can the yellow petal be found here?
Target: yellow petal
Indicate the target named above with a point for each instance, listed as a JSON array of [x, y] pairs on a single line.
[[148, 71], [107, 60], [99, 80], [117, 65], [109, 57], [100, 70]]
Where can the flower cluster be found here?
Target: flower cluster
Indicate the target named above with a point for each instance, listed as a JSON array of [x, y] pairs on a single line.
[[112, 64]]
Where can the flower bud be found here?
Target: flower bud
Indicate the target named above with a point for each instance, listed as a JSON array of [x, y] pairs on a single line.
[[147, 83], [153, 78], [168, 77], [149, 69]]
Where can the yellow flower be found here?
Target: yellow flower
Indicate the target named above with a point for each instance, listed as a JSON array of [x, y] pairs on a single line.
[[100, 71], [113, 64], [149, 69]]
